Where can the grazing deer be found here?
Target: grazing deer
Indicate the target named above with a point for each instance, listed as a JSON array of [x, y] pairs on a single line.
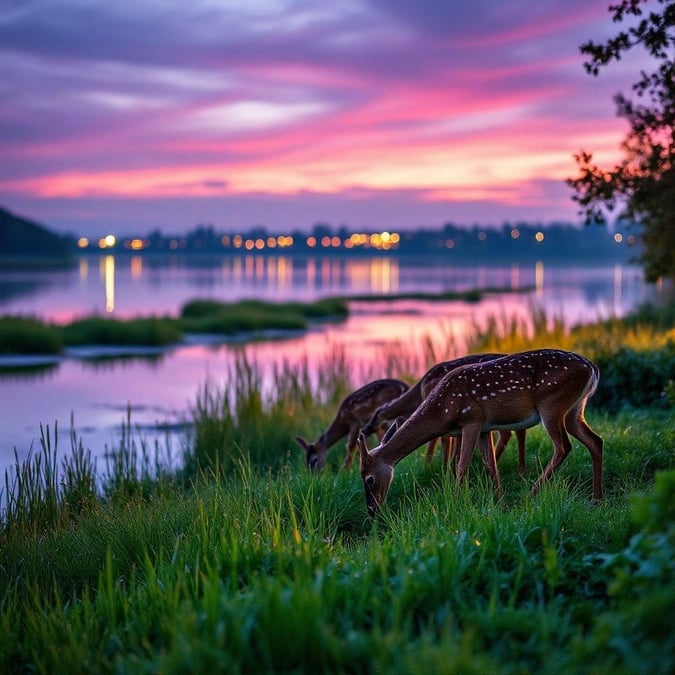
[[409, 401], [354, 411], [511, 392]]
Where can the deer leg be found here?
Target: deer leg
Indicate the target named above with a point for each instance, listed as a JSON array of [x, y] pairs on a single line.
[[448, 449], [487, 451], [455, 447], [578, 427], [520, 437], [352, 438], [470, 434], [430, 450], [504, 438], [555, 426]]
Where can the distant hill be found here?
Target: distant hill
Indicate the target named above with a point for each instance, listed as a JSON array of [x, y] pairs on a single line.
[[21, 237]]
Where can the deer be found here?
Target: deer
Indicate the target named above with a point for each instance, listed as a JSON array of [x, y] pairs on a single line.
[[403, 406], [354, 411], [517, 391]]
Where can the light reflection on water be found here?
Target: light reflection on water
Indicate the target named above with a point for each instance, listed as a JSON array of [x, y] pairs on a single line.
[[161, 388]]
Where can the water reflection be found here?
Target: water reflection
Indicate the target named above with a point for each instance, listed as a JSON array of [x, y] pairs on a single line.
[[539, 278], [136, 267], [108, 271], [29, 372], [109, 362], [17, 289], [83, 269], [515, 277], [132, 286]]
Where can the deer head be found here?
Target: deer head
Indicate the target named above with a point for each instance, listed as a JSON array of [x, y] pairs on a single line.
[[376, 472], [315, 453]]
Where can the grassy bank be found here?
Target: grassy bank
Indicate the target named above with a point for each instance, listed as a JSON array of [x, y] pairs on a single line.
[[240, 561], [26, 335]]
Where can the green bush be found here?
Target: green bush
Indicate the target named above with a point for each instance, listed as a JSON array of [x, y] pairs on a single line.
[[237, 320], [212, 316], [104, 331], [635, 635], [25, 335], [635, 378]]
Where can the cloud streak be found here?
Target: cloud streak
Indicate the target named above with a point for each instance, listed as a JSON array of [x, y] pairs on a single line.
[[456, 109]]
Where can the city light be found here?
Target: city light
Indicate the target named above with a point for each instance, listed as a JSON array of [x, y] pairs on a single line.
[[108, 241], [136, 244], [260, 242]]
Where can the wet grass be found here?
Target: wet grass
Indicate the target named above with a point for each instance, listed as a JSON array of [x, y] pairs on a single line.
[[241, 561]]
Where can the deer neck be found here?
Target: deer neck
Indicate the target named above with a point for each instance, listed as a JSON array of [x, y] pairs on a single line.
[[404, 404], [414, 432], [333, 434]]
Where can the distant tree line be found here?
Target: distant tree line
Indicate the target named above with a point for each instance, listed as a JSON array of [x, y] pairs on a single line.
[[510, 241]]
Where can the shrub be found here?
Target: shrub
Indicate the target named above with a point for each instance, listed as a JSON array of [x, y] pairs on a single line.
[[635, 378], [635, 636], [104, 331], [25, 335]]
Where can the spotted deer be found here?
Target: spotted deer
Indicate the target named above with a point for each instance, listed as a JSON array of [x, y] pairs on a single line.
[[354, 411], [408, 401], [512, 392]]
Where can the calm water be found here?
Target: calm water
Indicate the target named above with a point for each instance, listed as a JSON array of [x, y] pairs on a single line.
[[160, 387]]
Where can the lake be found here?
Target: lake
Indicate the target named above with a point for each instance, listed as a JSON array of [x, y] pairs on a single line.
[[160, 386]]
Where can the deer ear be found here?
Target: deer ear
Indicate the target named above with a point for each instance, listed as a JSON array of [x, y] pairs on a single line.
[[390, 432], [363, 450], [301, 442]]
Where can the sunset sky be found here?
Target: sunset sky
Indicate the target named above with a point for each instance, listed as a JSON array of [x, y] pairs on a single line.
[[135, 114]]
